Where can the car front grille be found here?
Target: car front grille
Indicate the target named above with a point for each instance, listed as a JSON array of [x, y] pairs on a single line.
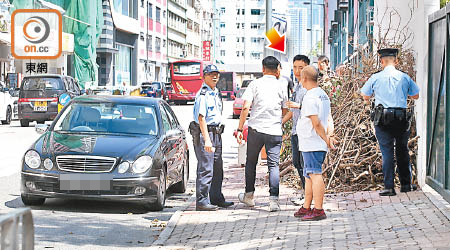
[[85, 163]]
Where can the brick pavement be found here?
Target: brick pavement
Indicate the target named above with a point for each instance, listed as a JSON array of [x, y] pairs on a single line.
[[361, 220]]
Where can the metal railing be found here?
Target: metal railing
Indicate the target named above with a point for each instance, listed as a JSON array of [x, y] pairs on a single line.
[[10, 235]]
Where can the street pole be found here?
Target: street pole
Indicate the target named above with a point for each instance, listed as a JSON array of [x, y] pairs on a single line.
[[268, 52], [311, 27]]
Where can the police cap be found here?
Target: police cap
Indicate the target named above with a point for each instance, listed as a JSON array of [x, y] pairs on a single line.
[[388, 52], [210, 68]]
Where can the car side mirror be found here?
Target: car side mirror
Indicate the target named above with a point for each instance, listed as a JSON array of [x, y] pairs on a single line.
[[41, 128], [82, 92]]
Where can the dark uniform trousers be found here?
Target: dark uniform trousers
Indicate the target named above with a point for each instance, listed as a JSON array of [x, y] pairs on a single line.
[[209, 171], [394, 138]]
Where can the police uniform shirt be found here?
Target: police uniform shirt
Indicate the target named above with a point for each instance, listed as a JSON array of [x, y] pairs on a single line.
[[391, 88], [209, 105]]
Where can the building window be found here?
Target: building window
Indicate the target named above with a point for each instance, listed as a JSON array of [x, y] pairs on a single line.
[[149, 42], [243, 39], [237, 39], [150, 11], [238, 53], [158, 14], [164, 43], [222, 10], [255, 25], [158, 44], [123, 65], [238, 12], [222, 53], [196, 51], [189, 24], [242, 25], [164, 14], [238, 25], [256, 12], [222, 25], [243, 11], [142, 3], [242, 53], [222, 38], [126, 7], [256, 55]]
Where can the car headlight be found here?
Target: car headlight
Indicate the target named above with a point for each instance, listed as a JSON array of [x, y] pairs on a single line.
[[238, 105], [142, 164], [123, 167], [32, 159], [48, 164]]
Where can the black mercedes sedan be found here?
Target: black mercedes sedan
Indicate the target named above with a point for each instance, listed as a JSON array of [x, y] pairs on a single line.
[[108, 147]]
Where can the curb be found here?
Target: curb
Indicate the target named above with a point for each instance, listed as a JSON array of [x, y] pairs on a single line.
[[165, 234], [437, 200]]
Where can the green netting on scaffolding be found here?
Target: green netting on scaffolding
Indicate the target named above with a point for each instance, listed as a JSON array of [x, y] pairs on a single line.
[[85, 36]]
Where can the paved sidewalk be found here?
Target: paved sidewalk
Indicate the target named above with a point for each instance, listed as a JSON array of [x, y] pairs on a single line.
[[355, 221]]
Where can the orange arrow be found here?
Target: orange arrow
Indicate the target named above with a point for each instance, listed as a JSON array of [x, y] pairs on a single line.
[[277, 43]]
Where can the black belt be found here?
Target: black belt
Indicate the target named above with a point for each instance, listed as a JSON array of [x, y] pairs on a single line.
[[218, 129]]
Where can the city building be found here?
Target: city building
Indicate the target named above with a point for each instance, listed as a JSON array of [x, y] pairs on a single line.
[[177, 30], [239, 35], [307, 21]]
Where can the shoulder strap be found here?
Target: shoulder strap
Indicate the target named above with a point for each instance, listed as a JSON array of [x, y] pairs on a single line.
[[203, 90]]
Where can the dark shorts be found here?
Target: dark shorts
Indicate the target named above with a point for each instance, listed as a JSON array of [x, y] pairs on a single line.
[[313, 162]]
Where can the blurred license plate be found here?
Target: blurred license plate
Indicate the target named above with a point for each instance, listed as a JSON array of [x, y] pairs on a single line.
[[40, 106], [85, 182]]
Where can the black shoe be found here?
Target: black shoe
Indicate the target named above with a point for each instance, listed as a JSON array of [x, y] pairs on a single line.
[[224, 204], [387, 192], [408, 188], [405, 188], [208, 207]]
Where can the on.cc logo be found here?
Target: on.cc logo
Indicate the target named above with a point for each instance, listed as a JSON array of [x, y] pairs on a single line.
[[36, 29]]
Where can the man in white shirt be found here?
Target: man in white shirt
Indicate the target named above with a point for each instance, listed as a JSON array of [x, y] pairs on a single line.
[[313, 143], [267, 96]]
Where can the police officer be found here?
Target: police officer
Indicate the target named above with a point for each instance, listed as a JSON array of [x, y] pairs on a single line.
[[391, 88], [206, 130]]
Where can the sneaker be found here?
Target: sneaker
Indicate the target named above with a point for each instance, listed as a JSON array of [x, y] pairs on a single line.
[[302, 212], [315, 214], [247, 199], [273, 204]]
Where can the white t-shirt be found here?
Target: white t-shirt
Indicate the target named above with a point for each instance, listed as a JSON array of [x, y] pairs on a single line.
[[268, 96], [315, 102]]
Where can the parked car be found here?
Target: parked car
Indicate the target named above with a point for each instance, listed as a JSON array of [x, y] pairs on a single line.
[[161, 90], [125, 148], [238, 103], [6, 105], [42, 96], [148, 90], [245, 83]]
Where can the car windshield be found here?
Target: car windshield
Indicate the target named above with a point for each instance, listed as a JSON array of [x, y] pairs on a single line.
[[240, 93], [156, 85], [108, 118], [47, 83], [186, 68]]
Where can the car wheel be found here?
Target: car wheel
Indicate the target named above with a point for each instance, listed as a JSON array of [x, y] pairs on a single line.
[[180, 187], [8, 116], [158, 205], [29, 200], [24, 123], [40, 122]]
